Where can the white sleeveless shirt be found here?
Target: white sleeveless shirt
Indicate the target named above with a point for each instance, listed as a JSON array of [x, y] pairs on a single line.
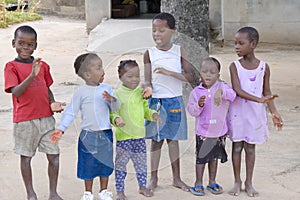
[[166, 86]]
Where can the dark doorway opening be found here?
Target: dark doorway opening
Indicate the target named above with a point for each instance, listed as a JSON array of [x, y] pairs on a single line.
[[134, 9]]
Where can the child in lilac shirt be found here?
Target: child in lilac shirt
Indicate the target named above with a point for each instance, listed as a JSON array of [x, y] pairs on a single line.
[[207, 103]]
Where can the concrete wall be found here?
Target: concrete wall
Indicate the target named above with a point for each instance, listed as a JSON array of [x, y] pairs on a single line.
[[96, 11], [277, 21], [69, 8]]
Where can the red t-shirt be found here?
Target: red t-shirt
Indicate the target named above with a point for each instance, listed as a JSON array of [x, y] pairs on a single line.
[[34, 103]]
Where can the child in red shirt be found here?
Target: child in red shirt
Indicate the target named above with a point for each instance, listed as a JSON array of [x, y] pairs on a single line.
[[28, 80]]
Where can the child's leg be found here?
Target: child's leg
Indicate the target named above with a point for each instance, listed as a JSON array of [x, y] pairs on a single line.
[[27, 177], [237, 148], [175, 162], [88, 184], [250, 160], [103, 182], [53, 167], [212, 171], [155, 157], [199, 174], [122, 158], [139, 159]]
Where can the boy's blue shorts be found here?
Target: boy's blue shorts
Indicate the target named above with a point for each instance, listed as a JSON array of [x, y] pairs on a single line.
[[173, 115], [95, 154]]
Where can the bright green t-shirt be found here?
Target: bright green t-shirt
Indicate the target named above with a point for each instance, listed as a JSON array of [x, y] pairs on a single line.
[[133, 111]]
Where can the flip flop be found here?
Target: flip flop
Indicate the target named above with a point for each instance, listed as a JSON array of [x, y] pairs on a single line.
[[195, 192], [215, 188]]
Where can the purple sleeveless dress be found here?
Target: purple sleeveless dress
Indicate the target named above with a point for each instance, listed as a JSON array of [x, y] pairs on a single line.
[[247, 120]]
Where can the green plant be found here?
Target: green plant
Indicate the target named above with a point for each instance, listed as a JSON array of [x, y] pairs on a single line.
[[20, 15]]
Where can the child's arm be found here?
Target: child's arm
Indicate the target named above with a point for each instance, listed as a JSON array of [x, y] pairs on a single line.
[[186, 75], [55, 106], [240, 92], [147, 86], [19, 89], [147, 69], [195, 104], [277, 121], [109, 97]]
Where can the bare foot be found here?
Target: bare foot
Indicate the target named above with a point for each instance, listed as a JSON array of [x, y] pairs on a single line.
[[55, 197], [153, 184], [236, 190], [32, 196], [251, 192], [180, 184], [146, 192], [121, 196]]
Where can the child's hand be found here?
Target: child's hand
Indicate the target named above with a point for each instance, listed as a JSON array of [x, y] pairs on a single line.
[[108, 97], [57, 106], [55, 136], [218, 97], [268, 98], [157, 118], [201, 101], [162, 70], [36, 66], [277, 121], [119, 122], [147, 92]]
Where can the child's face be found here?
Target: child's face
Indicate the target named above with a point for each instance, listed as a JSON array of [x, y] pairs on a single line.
[[95, 73], [209, 73], [162, 34], [242, 44], [25, 44], [131, 76]]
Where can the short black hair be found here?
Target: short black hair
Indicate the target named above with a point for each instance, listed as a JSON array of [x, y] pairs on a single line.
[[25, 29], [121, 67], [252, 33], [82, 61], [166, 16], [215, 61]]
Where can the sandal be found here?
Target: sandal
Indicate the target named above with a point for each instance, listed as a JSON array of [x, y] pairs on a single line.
[[215, 188], [194, 191]]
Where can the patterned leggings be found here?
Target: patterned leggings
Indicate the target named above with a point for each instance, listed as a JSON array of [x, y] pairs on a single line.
[[134, 149]]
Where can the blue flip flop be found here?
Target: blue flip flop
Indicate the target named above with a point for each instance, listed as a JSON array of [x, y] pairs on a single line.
[[195, 192], [212, 188]]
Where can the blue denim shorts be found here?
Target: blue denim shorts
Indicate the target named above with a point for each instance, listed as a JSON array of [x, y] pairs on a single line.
[[95, 154], [173, 115]]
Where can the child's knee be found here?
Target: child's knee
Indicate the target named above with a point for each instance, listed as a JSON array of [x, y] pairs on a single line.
[[237, 147], [250, 149]]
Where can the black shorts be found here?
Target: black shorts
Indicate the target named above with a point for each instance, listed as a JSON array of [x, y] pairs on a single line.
[[209, 149]]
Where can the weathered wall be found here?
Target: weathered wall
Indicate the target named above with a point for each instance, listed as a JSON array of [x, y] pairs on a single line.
[[277, 21], [71, 8]]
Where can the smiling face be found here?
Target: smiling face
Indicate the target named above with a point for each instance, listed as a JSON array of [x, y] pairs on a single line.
[[94, 73], [131, 76], [209, 73], [25, 44], [162, 34]]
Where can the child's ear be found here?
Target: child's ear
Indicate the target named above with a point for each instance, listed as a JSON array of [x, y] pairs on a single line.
[[253, 44], [35, 46], [86, 75], [13, 42]]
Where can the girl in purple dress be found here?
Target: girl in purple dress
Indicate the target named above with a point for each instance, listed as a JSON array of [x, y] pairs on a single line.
[[247, 117]]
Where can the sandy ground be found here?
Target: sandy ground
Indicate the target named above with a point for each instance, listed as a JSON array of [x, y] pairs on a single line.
[[277, 170]]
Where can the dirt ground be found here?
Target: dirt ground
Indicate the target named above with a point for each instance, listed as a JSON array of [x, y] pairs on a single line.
[[277, 170]]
